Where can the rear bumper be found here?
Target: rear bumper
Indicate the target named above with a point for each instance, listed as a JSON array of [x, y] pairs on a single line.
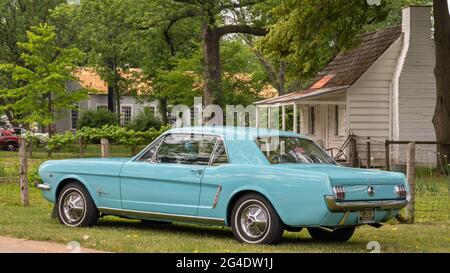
[[336, 206]]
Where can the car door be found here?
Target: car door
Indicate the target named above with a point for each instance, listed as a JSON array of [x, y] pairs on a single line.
[[167, 177]]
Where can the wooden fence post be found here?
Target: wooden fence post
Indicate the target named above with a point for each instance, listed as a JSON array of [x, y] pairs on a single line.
[[369, 154], [387, 155], [105, 147], [23, 172], [411, 177], [353, 158], [81, 143]]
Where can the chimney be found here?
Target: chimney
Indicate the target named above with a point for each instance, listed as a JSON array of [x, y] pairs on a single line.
[[416, 24]]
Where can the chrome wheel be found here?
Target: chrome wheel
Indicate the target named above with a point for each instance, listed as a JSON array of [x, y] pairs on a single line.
[[74, 207], [254, 221]]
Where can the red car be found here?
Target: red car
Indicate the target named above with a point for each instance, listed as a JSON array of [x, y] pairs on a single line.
[[8, 141]]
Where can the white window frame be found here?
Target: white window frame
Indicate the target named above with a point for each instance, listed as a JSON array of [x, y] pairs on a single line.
[[72, 127], [122, 117]]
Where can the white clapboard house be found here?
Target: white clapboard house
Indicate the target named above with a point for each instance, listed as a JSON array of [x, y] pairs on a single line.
[[384, 89]]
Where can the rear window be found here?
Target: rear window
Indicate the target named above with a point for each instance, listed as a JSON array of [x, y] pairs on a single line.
[[281, 150]]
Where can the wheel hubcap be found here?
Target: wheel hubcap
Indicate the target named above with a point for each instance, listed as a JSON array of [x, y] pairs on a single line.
[[254, 221], [73, 207], [11, 147]]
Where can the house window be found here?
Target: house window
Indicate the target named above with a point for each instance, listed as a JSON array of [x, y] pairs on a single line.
[[105, 107], [125, 114], [74, 118], [312, 120], [151, 110]]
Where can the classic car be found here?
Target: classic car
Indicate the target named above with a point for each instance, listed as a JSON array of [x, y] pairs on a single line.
[[8, 141], [258, 181]]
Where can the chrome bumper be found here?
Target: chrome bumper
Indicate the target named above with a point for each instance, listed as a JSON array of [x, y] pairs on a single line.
[[336, 206], [44, 187]]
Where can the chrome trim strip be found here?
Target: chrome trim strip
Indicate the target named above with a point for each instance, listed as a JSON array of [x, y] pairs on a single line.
[[216, 197], [336, 206], [44, 187], [162, 216]]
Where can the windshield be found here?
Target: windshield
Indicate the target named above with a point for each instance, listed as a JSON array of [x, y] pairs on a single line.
[[279, 150]]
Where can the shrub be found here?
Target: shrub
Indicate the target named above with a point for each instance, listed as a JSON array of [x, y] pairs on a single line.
[[144, 121], [97, 118], [58, 142]]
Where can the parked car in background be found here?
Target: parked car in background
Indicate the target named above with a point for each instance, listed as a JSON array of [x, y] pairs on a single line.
[[260, 182], [19, 131], [8, 141]]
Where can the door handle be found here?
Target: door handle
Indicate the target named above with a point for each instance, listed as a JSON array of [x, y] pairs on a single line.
[[197, 171]]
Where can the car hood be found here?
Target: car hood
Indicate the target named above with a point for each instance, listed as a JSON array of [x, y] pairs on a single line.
[[339, 175]]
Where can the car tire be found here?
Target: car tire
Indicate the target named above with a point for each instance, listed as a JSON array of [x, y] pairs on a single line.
[[76, 207], [11, 146], [255, 221], [338, 235]]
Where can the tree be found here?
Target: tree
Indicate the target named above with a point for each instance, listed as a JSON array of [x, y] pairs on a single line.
[[41, 94], [441, 119], [16, 17], [308, 34], [105, 33], [211, 15]]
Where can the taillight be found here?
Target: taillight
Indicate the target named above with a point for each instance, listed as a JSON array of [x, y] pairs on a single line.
[[339, 192], [400, 190]]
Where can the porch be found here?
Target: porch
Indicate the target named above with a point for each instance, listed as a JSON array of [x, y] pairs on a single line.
[[320, 114]]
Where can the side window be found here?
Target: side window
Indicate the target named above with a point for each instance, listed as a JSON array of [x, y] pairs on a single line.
[[148, 155], [185, 149], [220, 155]]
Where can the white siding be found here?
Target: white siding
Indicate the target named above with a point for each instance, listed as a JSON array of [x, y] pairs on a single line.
[[368, 104], [415, 85]]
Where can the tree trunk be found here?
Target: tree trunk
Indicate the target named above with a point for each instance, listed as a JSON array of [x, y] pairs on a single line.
[[163, 111], [212, 74], [282, 78], [441, 118], [10, 118], [117, 97]]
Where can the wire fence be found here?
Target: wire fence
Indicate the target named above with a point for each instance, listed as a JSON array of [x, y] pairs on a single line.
[[432, 183], [9, 160], [432, 173]]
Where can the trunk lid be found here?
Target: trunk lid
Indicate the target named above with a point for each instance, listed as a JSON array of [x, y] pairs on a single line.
[[357, 181]]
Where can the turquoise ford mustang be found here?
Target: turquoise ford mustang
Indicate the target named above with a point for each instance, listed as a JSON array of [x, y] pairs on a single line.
[[258, 181]]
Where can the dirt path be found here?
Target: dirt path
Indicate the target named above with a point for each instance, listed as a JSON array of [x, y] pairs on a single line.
[[13, 245]]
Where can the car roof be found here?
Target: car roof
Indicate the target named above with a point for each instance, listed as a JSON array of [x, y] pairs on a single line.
[[236, 132]]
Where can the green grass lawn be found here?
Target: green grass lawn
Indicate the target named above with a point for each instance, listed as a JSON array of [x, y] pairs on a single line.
[[118, 235]]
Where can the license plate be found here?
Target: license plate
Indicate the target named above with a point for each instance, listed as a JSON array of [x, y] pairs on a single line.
[[366, 216]]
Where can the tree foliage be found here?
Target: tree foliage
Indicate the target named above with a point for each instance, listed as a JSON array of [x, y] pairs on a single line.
[[309, 33], [39, 90]]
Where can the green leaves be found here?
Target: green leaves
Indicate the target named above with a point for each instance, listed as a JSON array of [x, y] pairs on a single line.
[[309, 33], [37, 90]]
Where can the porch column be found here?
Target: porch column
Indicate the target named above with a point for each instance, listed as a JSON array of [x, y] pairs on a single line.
[[283, 118], [257, 117], [269, 117], [295, 118]]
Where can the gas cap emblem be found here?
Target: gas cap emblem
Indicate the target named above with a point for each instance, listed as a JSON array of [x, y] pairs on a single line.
[[370, 191]]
